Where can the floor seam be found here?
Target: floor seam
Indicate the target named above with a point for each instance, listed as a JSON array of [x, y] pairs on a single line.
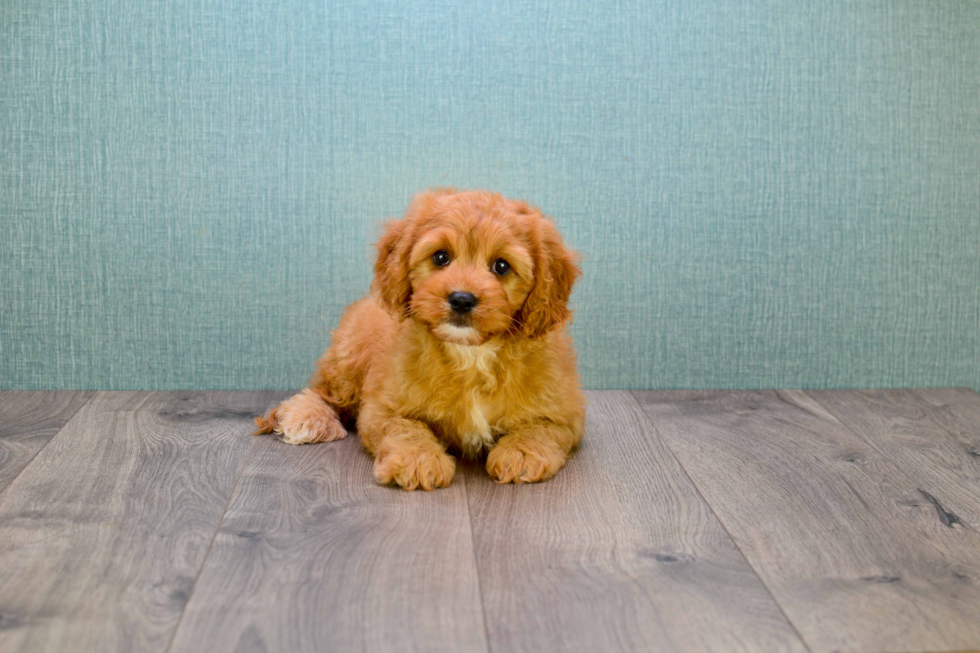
[[914, 482], [214, 536], [476, 567], [50, 440], [721, 523]]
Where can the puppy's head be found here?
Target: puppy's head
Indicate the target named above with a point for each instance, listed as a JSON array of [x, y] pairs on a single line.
[[472, 265]]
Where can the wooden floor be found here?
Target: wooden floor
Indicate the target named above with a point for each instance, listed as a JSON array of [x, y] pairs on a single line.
[[687, 521]]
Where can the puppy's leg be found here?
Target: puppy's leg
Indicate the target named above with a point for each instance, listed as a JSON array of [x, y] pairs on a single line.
[[533, 452], [304, 418], [405, 451]]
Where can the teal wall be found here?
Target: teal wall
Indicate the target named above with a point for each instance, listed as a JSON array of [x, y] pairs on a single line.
[[765, 193]]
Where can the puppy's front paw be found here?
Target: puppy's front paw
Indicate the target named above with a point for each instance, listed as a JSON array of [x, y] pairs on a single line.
[[513, 462], [306, 418], [411, 467]]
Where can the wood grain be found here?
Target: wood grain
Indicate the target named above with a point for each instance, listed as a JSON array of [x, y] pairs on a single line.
[[957, 410], [102, 536], [937, 444], [840, 535], [857, 510], [313, 555], [28, 421], [616, 553]]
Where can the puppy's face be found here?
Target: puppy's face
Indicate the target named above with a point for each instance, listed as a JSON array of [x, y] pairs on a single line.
[[474, 265], [469, 277]]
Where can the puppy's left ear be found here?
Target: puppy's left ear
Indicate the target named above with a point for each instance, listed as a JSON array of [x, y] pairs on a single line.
[[556, 269], [391, 285]]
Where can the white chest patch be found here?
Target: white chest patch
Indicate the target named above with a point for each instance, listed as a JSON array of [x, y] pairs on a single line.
[[478, 357], [479, 434]]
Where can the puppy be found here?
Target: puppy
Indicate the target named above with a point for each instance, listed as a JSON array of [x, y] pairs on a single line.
[[461, 347]]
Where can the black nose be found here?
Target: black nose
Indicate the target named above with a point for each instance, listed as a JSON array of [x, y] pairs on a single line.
[[462, 302]]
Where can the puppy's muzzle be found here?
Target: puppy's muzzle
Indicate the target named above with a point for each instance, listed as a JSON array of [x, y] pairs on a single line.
[[462, 302]]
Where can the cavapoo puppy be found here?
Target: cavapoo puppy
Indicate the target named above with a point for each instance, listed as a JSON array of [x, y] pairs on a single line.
[[461, 347]]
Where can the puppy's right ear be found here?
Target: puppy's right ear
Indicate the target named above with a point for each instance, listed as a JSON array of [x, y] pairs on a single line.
[[391, 285]]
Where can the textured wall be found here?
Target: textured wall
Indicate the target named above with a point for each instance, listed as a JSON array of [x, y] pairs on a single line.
[[766, 194]]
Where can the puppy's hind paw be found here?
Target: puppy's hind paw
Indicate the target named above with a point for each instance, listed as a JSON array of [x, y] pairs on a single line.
[[306, 418]]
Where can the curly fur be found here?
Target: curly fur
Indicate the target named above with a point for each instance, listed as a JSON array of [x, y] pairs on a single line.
[[419, 382]]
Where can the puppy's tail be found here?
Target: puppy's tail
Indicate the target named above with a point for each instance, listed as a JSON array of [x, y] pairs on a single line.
[[267, 423]]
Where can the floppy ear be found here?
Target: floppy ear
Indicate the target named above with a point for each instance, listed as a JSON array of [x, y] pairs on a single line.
[[391, 285], [555, 271]]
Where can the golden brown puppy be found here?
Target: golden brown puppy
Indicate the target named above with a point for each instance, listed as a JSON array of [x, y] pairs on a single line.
[[461, 346]]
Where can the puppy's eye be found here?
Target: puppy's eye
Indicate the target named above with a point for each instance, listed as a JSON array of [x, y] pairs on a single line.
[[501, 267], [441, 258]]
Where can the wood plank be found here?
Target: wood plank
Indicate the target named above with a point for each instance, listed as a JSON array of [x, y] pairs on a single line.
[[102, 536], [618, 552], [841, 536], [937, 444], [313, 555], [957, 410], [28, 421]]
